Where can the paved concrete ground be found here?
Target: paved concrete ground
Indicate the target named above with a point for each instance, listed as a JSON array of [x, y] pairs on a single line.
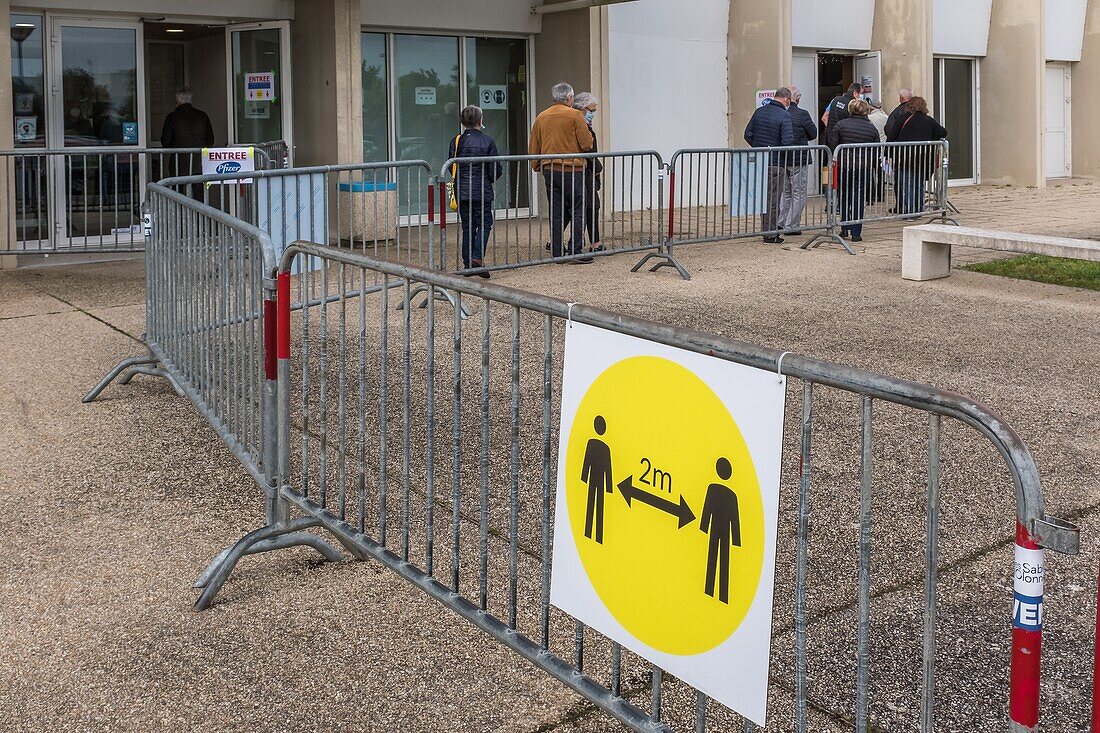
[[114, 508]]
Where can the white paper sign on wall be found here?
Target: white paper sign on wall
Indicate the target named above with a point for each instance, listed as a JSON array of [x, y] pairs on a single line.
[[425, 95]]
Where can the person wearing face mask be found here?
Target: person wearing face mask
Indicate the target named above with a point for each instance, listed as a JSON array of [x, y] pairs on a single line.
[[587, 103]]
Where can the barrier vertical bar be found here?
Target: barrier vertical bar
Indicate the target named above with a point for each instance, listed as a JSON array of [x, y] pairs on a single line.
[[280, 509], [671, 201], [1027, 632]]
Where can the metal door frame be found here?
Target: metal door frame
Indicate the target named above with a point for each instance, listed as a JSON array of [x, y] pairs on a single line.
[[286, 86], [60, 237]]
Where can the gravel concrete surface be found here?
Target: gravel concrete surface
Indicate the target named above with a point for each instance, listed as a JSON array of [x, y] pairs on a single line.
[[117, 505]]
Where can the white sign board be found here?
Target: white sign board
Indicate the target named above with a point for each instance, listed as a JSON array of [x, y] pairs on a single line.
[[220, 161], [763, 96], [667, 508], [493, 97], [259, 86], [294, 208], [26, 128], [425, 95]]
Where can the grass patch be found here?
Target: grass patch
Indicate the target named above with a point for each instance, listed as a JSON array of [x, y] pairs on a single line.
[[1053, 270]]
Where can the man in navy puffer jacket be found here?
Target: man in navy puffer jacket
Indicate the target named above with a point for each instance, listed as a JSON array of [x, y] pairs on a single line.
[[771, 127]]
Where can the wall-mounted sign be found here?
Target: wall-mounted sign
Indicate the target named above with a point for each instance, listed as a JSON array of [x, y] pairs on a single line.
[[26, 129], [259, 86], [24, 104], [257, 111], [425, 96], [129, 133], [220, 161], [763, 95], [493, 97]]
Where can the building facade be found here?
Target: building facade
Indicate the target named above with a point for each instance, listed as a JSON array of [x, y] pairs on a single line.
[[365, 80]]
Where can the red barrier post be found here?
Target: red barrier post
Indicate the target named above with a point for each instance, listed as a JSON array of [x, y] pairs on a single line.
[[671, 203], [1027, 631]]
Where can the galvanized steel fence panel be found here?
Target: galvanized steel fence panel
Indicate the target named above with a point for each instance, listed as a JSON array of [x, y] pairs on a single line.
[[428, 442], [85, 200], [719, 194], [549, 208]]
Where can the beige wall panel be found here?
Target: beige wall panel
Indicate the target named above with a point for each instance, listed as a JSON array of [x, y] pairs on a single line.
[[759, 56], [326, 58], [1086, 77], [564, 51], [903, 33], [1012, 95]]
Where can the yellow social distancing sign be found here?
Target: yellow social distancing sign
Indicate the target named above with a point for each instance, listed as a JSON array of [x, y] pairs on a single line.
[[667, 503]]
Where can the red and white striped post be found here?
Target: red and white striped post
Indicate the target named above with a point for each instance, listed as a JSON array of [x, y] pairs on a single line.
[[282, 371], [1027, 632]]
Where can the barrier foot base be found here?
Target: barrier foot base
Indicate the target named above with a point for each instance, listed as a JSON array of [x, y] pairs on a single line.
[[265, 539], [666, 259], [943, 220], [820, 238], [125, 365], [954, 209], [442, 295]]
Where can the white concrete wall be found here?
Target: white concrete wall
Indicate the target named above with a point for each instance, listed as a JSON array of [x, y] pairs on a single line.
[[961, 27], [174, 9], [839, 24], [668, 79], [1064, 25], [485, 16]]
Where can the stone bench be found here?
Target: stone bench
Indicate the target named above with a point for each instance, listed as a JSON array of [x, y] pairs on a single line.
[[926, 249]]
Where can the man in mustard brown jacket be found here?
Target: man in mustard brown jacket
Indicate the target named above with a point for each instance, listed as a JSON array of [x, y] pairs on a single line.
[[560, 131]]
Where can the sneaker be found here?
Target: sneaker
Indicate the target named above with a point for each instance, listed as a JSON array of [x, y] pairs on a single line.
[[479, 269], [795, 234], [857, 238], [597, 248], [547, 247], [773, 240], [582, 261]]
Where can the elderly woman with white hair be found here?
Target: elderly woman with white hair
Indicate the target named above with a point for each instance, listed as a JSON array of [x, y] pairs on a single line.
[[587, 103]]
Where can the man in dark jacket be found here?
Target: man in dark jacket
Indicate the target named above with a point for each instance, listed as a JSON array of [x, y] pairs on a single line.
[[474, 187], [186, 127], [838, 110], [899, 114], [793, 200], [770, 127]]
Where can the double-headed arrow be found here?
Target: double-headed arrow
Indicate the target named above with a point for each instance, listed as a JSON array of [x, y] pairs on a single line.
[[681, 510]]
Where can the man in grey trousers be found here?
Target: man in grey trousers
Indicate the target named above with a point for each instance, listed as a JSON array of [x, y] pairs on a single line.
[[793, 199], [770, 127]]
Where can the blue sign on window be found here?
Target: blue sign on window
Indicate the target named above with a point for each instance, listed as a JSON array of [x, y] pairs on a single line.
[[129, 133]]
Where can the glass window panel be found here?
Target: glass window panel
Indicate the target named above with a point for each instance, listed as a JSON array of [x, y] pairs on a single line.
[[257, 51], [958, 115], [27, 81], [426, 101], [496, 81], [376, 119], [164, 71], [99, 83]]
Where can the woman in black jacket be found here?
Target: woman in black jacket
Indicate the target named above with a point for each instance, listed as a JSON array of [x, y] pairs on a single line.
[[854, 166], [593, 173], [915, 164]]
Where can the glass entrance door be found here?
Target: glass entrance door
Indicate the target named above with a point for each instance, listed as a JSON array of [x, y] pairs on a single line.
[[259, 83], [97, 104], [956, 94]]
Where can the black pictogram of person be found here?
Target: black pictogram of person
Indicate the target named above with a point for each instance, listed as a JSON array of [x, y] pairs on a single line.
[[722, 522], [596, 472]]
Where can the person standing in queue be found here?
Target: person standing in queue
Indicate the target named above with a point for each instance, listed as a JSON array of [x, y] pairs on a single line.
[[855, 166], [793, 200], [561, 131], [474, 188], [588, 104], [187, 127], [838, 110], [770, 127]]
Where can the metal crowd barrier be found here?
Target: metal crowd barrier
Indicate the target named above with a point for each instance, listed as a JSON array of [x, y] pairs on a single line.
[[718, 194], [428, 443], [520, 210], [875, 182], [84, 200]]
